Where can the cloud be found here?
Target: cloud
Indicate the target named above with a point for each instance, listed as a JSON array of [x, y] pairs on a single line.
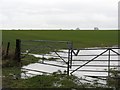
[[58, 13]]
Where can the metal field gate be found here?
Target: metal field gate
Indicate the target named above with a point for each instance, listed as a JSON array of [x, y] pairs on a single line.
[[45, 47], [75, 60]]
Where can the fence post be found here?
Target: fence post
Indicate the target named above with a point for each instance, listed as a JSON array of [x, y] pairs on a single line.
[[118, 73], [18, 50], [7, 50], [69, 57], [109, 66], [109, 63], [68, 66]]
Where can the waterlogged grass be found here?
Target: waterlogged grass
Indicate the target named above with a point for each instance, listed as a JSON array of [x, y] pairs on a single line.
[[45, 81], [80, 39], [29, 59], [55, 80]]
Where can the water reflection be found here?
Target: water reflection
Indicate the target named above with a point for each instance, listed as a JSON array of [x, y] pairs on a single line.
[[77, 61]]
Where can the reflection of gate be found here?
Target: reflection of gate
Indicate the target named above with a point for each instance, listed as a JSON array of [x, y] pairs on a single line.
[[45, 47]]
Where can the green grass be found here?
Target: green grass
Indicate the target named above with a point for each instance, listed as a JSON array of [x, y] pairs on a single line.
[[44, 81], [80, 39]]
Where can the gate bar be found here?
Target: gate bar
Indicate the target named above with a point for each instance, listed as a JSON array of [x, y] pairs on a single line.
[[89, 61]]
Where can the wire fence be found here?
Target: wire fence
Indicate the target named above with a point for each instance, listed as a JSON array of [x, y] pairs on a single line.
[[44, 46]]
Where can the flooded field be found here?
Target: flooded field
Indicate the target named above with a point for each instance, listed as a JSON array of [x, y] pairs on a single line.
[[97, 67]]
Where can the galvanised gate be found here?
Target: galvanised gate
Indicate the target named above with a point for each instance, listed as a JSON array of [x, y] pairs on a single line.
[[43, 47]]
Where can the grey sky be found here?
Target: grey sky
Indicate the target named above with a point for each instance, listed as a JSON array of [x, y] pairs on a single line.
[[48, 14]]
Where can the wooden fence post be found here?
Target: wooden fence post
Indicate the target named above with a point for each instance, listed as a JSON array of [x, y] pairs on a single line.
[[7, 50], [18, 50]]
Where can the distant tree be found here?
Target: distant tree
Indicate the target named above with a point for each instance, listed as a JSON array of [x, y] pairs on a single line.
[[96, 28], [77, 28], [60, 29]]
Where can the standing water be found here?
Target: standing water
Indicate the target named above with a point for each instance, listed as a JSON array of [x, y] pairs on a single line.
[[97, 67]]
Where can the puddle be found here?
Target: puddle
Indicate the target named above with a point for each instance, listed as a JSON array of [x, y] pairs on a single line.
[[49, 67]]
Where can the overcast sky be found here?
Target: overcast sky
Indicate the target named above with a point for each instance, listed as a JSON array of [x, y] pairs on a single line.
[[55, 14]]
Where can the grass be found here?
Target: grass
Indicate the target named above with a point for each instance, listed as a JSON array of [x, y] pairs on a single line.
[[29, 59], [45, 81], [80, 39]]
